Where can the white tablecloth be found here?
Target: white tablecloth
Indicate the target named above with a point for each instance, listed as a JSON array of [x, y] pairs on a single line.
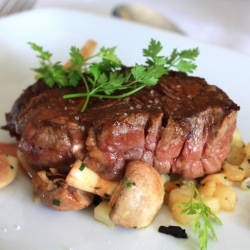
[[224, 22]]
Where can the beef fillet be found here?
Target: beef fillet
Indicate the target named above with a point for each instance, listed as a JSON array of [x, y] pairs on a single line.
[[182, 125]]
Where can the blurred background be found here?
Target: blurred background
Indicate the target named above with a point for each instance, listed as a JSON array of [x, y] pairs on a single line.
[[222, 22]]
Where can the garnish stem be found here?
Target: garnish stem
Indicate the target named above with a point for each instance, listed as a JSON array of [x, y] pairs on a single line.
[[204, 217]]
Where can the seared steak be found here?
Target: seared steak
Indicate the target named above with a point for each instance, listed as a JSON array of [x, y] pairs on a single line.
[[182, 125]]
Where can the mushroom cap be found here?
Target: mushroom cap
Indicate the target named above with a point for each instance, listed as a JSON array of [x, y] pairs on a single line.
[[138, 197]]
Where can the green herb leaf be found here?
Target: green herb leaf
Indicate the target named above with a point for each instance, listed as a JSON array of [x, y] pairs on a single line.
[[152, 52], [82, 167], [76, 57], [56, 202], [185, 66], [105, 77], [44, 55], [202, 225], [130, 185]]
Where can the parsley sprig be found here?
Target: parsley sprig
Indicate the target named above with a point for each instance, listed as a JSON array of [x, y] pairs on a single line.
[[106, 77], [203, 223]]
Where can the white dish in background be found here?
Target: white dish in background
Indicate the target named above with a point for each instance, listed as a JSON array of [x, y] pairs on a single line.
[[25, 225]]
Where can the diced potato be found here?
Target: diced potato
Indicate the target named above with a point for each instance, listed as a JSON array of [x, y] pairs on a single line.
[[213, 203], [182, 194], [237, 153], [177, 193], [8, 169], [217, 186], [246, 166], [169, 186], [219, 178], [227, 196], [182, 218], [234, 173], [207, 189], [101, 213]]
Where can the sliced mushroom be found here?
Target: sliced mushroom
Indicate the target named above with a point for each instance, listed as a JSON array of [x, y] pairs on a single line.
[[139, 196], [57, 194], [83, 178]]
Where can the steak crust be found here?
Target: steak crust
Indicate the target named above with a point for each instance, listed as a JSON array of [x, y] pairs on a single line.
[[181, 125]]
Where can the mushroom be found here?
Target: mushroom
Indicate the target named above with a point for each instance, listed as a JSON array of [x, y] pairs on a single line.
[[57, 194], [81, 177], [134, 201], [139, 196], [8, 169]]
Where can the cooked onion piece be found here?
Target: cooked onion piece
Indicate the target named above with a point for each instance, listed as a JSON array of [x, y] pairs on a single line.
[[8, 169]]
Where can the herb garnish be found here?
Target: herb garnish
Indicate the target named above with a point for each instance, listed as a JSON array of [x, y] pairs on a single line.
[[104, 78], [56, 202], [204, 217], [130, 185], [82, 167]]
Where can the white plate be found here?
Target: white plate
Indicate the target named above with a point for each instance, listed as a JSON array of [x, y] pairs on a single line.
[[25, 225]]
